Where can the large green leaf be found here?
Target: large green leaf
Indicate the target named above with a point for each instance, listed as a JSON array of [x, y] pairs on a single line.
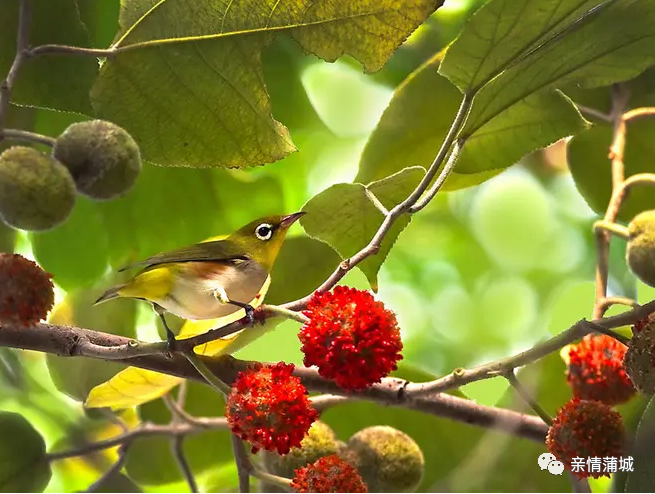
[[500, 32], [346, 218], [445, 444], [598, 52], [642, 479], [57, 81], [590, 166], [197, 72], [76, 376], [203, 451], [23, 463], [415, 124]]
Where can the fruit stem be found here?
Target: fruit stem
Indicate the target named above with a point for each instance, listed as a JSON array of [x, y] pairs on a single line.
[[617, 336], [527, 397], [209, 376], [276, 480]]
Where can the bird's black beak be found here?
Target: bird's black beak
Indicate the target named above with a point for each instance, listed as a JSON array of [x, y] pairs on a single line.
[[289, 220]]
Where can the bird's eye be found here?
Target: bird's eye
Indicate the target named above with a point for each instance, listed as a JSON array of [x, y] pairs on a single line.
[[264, 231]]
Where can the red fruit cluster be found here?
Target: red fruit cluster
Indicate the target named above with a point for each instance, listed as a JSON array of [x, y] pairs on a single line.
[[269, 408], [26, 291], [328, 474], [350, 337], [585, 429], [595, 370]]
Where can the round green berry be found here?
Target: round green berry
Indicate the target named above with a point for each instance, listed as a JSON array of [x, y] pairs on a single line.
[[103, 158], [387, 459], [36, 191]]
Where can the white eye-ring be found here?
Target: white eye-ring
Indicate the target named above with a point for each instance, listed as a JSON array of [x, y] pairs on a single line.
[[264, 231]]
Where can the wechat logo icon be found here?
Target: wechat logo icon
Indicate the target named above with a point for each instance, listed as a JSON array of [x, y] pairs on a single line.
[[548, 461]]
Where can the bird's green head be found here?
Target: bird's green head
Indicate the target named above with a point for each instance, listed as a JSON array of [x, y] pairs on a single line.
[[262, 239]]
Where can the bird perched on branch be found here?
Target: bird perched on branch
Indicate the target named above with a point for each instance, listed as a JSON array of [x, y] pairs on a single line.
[[210, 279]]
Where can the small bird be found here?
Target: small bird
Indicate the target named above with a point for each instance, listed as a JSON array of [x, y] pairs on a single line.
[[210, 279]]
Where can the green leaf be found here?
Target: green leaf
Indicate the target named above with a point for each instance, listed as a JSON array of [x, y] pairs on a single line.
[[445, 446], [57, 81], [301, 266], [209, 58], [203, 451], [500, 32], [597, 52], [23, 463], [76, 376], [591, 167], [75, 253], [344, 217], [642, 479], [421, 112]]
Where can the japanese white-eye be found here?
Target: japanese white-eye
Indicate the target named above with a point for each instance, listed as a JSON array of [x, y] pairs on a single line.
[[210, 279]]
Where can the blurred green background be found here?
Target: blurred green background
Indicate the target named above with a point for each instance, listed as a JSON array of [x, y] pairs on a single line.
[[480, 274]]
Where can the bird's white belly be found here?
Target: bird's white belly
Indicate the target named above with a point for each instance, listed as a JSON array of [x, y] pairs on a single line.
[[193, 298]]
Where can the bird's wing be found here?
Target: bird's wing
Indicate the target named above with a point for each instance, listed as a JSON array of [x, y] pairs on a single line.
[[215, 251]]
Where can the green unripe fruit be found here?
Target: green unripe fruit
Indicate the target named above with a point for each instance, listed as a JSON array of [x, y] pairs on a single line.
[[36, 191], [320, 441], [387, 459], [102, 157], [640, 253]]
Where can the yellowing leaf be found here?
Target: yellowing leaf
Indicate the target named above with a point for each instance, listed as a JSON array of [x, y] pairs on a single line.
[[134, 386], [195, 70]]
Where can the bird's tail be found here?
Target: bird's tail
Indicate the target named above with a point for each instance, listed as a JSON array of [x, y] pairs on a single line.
[[110, 294]]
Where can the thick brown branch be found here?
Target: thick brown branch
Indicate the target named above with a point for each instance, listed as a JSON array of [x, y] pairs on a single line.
[[64, 341]]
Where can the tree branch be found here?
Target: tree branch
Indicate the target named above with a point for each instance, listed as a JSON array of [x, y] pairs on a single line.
[[620, 97], [22, 43], [26, 136]]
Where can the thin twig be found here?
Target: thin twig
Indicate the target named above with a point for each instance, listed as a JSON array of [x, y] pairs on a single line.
[[53, 49], [26, 136], [403, 208], [608, 302], [114, 469], [647, 111], [177, 449], [209, 376], [144, 430], [608, 332], [183, 416], [441, 180], [620, 97], [461, 377], [527, 397], [22, 43], [592, 112], [269, 478], [244, 466]]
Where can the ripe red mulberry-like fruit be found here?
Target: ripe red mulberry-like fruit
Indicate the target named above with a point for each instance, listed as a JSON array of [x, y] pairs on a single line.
[[26, 291], [595, 370], [586, 429], [351, 338], [269, 408], [329, 474]]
